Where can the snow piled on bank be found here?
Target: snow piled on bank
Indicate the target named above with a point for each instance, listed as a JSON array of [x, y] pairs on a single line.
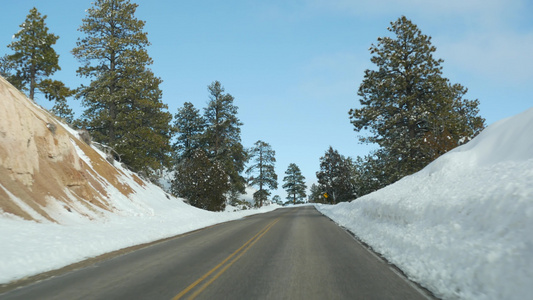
[[149, 214], [463, 226]]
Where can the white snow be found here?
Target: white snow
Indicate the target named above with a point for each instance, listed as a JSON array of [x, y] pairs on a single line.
[[463, 226], [29, 248]]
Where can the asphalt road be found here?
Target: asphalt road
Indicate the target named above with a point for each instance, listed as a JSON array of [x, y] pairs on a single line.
[[291, 253]]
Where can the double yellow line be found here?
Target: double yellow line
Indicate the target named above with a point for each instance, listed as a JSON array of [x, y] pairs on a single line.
[[225, 264]]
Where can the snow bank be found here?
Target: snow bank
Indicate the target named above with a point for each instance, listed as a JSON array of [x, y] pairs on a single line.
[[29, 248], [463, 226]]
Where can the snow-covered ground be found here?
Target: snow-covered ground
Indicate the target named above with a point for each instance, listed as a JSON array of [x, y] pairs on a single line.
[[28, 248], [463, 226]]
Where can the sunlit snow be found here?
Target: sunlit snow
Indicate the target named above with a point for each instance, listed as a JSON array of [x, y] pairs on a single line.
[[463, 226]]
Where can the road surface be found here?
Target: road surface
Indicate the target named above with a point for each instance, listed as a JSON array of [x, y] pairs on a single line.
[[290, 253]]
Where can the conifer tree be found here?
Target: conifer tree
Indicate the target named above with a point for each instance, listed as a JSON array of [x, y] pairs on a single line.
[[189, 126], [34, 57], [411, 111], [315, 194], [263, 167], [335, 177], [6, 67], [201, 181], [370, 173], [123, 101], [222, 136], [294, 183], [56, 91]]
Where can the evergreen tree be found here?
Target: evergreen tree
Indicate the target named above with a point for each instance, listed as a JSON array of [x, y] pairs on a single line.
[[335, 177], [263, 167], [56, 91], [123, 101], [315, 194], [6, 67], [223, 135], [189, 126], [201, 181], [369, 173], [34, 57], [412, 112], [294, 183]]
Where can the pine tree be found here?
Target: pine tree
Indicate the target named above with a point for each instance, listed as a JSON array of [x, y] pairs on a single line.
[[201, 181], [56, 91], [34, 57], [294, 184], [412, 112], [223, 135], [123, 101], [370, 173], [315, 194], [335, 177], [189, 126], [6, 67], [277, 199], [263, 167]]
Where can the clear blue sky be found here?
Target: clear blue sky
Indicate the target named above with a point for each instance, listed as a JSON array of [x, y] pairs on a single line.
[[294, 67]]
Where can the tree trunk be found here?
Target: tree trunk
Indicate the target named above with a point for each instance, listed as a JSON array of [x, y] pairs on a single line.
[[112, 105], [261, 178], [32, 80]]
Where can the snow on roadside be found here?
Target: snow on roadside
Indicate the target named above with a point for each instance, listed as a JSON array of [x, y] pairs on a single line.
[[463, 226], [30, 248]]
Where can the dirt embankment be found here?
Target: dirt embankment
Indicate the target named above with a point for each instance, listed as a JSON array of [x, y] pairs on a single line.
[[40, 169]]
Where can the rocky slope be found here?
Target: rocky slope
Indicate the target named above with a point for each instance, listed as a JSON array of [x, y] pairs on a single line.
[[45, 167]]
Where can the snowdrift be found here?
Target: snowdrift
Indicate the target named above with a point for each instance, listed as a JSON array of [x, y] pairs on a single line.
[[463, 226], [62, 202]]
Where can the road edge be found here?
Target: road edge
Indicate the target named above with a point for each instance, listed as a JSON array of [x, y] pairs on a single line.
[[417, 286]]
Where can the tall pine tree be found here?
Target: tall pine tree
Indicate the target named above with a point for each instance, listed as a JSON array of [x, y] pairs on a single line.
[[294, 184], [223, 135], [189, 126], [34, 57], [262, 172], [123, 101], [411, 111]]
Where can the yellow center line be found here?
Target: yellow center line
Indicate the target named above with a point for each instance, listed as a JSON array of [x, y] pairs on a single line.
[[245, 246]]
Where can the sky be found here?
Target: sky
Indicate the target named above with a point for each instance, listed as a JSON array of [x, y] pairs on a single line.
[[294, 67]]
